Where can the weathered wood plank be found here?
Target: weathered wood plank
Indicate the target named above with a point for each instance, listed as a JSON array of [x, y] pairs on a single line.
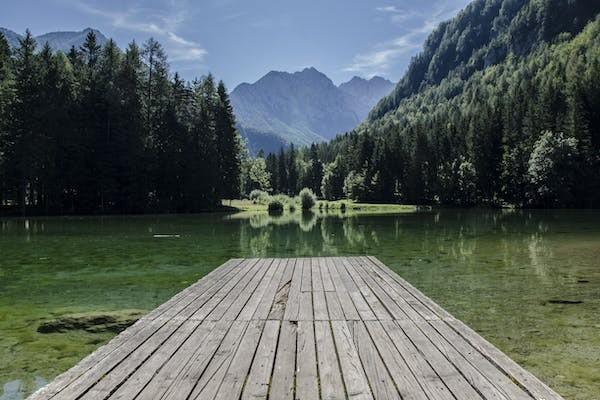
[[233, 382], [293, 299], [199, 344], [365, 312], [431, 383], [259, 377], [320, 306], [284, 370], [462, 382], [305, 313], [258, 292], [222, 338], [374, 303], [219, 301], [306, 328], [325, 275], [380, 291], [407, 384], [211, 377], [283, 291], [380, 381], [334, 307], [317, 279], [247, 293], [346, 303], [306, 285], [266, 302], [157, 331], [141, 364], [330, 375], [357, 386], [470, 354], [306, 362]]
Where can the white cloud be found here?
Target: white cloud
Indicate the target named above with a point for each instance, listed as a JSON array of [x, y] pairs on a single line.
[[384, 55], [160, 23], [388, 9]]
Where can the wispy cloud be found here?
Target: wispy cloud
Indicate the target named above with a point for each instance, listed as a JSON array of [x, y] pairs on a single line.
[[396, 14], [384, 55], [162, 23], [388, 9]]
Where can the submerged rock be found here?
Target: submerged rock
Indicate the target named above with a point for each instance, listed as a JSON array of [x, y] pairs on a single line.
[[94, 322], [565, 301]]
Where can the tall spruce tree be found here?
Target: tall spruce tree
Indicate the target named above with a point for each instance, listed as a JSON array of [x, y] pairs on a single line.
[[228, 146], [292, 171], [6, 97], [23, 154]]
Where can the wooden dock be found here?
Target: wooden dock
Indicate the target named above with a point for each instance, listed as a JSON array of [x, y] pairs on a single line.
[[303, 328]]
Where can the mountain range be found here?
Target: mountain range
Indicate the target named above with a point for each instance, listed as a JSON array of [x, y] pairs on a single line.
[[62, 41], [303, 107]]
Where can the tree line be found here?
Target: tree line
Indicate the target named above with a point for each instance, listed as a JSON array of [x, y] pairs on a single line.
[[100, 130]]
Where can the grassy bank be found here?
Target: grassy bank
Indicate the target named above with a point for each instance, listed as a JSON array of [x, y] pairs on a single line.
[[323, 205]]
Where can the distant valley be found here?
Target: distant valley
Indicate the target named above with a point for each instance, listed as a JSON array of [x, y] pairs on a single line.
[[302, 107]]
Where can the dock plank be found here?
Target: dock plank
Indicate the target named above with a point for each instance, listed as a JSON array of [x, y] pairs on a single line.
[[330, 375], [306, 362], [298, 328]]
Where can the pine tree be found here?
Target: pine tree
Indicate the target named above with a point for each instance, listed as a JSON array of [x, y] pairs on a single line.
[[271, 164], [23, 153], [282, 173], [133, 181], [315, 171], [6, 98], [228, 146], [292, 171]]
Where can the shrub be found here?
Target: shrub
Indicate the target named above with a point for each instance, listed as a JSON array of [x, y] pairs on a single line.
[[355, 187], [553, 170], [292, 207], [307, 199], [275, 206], [258, 196], [332, 184]]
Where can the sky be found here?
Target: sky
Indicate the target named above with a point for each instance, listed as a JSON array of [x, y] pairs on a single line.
[[241, 40]]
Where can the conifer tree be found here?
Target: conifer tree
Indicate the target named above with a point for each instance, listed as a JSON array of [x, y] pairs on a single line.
[[22, 151], [292, 171], [228, 144]]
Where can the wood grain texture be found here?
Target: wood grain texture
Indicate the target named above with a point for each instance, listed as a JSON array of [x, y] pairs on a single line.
[[298, 328]]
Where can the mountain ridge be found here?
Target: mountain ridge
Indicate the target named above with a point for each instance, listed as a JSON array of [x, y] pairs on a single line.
[[302, 107], [58, 40]]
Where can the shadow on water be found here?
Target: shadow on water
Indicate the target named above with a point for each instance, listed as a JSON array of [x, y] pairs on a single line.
[[528, 281]]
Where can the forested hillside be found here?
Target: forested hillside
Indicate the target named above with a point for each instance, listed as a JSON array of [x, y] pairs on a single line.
[[501, 107], [99, 130]]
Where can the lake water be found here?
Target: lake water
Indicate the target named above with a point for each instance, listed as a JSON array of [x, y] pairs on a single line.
[[501, 272]]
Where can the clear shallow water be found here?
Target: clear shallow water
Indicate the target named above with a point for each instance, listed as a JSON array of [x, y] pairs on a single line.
[[496, 270]]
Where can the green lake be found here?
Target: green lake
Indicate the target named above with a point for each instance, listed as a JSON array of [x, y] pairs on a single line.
[[528, 281]]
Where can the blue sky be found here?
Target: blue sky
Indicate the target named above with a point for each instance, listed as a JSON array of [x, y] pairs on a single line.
[[241, 40]]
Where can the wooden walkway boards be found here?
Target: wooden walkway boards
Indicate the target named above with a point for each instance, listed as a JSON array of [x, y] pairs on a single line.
[[301, 328]]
